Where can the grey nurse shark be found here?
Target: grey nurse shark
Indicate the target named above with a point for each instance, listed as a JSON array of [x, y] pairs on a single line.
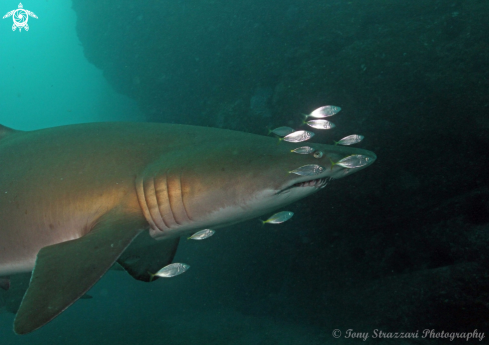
[[76, 199]]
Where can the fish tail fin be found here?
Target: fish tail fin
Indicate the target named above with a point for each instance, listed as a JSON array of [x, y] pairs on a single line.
[[152, 276], [332, 163]]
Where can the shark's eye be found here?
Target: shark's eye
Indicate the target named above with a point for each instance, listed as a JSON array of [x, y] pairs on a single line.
[[318, 154]]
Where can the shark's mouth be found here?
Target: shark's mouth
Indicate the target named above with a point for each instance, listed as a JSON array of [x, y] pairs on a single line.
[[318, 183]]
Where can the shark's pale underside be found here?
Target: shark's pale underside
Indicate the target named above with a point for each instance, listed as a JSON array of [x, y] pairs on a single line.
[[76, 199]]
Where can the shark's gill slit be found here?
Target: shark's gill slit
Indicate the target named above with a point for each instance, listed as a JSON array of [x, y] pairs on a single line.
[[145, 204], [161, 224], [160, 203], [152, 202], [164, 201], [171, 201], [183, 201]]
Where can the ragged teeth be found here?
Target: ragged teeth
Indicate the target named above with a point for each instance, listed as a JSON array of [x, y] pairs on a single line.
[[323, 182], [317, 183]]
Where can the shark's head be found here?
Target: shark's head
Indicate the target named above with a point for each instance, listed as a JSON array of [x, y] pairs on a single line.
[[223, 183]]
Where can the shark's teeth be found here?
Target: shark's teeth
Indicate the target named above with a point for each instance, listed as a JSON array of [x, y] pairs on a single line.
[[317, 183]]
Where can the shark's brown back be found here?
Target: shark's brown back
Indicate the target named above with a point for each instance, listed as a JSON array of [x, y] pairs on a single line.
[[54, 183], [67, 197]]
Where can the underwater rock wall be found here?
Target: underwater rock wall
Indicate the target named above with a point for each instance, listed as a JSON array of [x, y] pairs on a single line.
[[412, 76]]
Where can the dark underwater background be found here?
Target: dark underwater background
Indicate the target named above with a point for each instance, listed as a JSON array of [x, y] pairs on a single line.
[[399, 247]]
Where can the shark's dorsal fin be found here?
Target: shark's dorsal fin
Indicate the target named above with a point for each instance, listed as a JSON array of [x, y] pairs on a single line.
[[64, 272], [145, 254], [6, 131]]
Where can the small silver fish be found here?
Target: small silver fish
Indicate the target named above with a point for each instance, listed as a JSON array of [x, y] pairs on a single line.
[[326, 111], [350, 140], [202, 234], [308, 170], [303, 150], [281, 131], [298, 136], [320, 124], [172, 270], [278, 218], [353, 161]]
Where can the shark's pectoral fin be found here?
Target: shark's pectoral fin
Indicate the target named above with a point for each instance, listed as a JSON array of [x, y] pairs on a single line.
[[145, 254], [66, 271]]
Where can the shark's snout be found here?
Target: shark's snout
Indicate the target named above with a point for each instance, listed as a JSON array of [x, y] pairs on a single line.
[[319, 168], [328, 160]]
